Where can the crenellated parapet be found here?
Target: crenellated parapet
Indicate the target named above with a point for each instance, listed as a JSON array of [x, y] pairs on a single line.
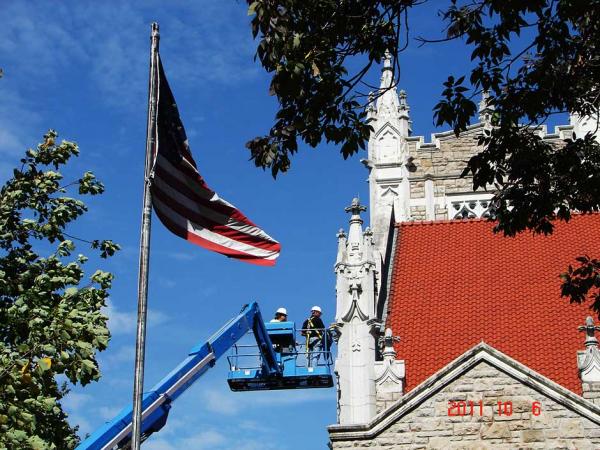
[[419, 179], [437, 140]]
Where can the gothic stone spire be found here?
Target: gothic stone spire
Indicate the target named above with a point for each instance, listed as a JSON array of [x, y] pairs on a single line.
[[390, 106], [355, 231], [356, 323]]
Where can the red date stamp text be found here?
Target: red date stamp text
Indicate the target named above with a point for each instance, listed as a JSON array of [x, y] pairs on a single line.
[[475, 408]]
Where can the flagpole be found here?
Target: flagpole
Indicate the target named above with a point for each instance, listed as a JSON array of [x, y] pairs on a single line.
[[140, 345]]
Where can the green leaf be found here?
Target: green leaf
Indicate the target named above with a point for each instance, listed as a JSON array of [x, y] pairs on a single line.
[[23, 348], [71, 292], [252, 8], [65, 248], [45, 363], [49, 403]]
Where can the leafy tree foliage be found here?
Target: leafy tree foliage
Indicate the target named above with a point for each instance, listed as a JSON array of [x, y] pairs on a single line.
[[533, 58], [50, 318], [306, 45]]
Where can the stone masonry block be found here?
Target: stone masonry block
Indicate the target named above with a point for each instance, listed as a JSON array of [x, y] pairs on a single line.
[[495, 430], [533, 436]]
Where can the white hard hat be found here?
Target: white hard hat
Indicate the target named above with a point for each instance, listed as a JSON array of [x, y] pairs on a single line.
[[282, 311], [316, 308]]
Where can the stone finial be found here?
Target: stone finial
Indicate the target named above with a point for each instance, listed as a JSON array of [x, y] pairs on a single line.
[[387, 72], [389, 373], [403, 104], [588, 362], [341, 252], [387, 60], [590, 331], [371, 109], [403, 114], [355, 232], [387, 344], [355, 208], [389, 108], [485, 95], [368, 245], [371, 103], [485, 109]]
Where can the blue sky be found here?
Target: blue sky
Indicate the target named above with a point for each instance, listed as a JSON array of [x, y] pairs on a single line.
[[81, 68]]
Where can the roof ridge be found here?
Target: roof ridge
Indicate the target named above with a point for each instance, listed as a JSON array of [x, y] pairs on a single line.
[[415, 223]]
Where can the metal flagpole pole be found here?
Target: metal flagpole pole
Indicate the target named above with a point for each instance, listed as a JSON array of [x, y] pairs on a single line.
[[140, 346]]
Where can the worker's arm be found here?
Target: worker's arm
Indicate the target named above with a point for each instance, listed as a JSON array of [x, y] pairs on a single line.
[[305, 325]]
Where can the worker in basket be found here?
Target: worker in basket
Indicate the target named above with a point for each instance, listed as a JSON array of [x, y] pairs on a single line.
[[314, 331], [280, 315]]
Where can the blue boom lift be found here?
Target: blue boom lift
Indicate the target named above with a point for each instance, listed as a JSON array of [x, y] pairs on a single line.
[[274, 362]]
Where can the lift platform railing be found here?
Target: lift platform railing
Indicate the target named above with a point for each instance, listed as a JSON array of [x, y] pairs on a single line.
[[304, 353]]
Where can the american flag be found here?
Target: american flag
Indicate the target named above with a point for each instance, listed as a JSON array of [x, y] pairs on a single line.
[[187, 206]]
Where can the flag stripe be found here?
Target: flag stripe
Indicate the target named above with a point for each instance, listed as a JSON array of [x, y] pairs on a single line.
[[182, 226], [219, 210], [187, 206], [192, 189], [207, 219], [181, 232], [241, 256]]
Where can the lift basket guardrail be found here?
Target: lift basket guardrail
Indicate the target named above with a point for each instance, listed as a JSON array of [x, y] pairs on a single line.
[[305, 363]]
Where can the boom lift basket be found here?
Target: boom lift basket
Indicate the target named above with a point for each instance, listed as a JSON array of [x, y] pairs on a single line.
[[303, 364]]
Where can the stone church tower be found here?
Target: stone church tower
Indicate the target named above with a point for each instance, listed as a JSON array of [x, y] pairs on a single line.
[[389, 189], [411, 180], [361, 255]]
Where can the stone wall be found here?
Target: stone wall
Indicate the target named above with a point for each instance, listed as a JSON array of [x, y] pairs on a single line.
[[440, 213], [418, 213], [448, 157], [442, 163], [386, 399], [429, 426], [591, 392], [444, 160]]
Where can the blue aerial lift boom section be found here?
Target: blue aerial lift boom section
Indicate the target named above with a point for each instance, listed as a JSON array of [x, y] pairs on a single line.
[[156, 403]]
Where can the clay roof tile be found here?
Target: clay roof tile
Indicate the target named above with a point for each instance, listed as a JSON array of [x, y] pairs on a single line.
[[455, 283]]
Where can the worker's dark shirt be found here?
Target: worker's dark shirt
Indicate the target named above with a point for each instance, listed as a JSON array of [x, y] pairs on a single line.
[[313, 323]]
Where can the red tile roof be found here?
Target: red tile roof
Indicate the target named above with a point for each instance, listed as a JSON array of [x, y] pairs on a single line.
[[455, 283]]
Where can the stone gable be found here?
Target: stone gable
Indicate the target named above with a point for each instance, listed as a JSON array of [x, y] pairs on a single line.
[[555, 425]]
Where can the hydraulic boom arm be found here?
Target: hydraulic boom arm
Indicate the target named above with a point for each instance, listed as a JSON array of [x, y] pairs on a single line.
[[116, 434]]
